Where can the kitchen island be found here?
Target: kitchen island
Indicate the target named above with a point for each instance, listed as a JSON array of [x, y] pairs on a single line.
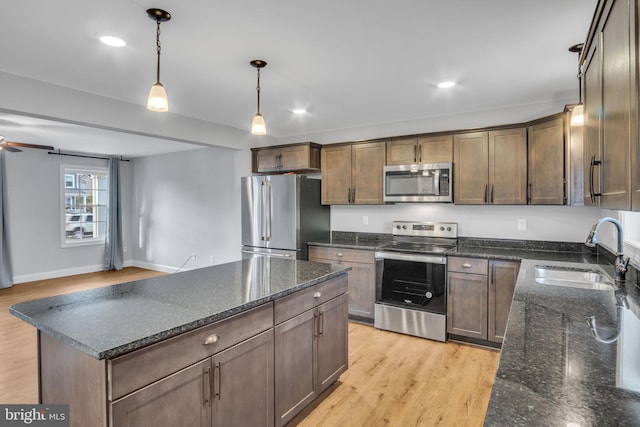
[[195, 348]]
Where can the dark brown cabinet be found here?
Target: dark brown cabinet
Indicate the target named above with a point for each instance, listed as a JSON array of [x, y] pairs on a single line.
[[546, 163], [207, 393], [361, 276], [352, 174], [479, 294], [611, 106], [286, 158], [491, 167], [310, 347], [427, 149]]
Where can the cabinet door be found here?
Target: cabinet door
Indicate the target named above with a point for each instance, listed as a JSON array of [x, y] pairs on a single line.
[[267, 160], [592, 118], [181, 399], [361, 289], [616, 107], [294, 365], [294, 158], [502, 282], [336, 175], [508, 167], [332, 347], [467, 305], [243, 378], [546, 163], [471, 168], [435, 149], [367, 172], [402, 152]]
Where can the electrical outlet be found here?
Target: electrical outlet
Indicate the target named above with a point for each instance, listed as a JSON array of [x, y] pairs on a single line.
[[193, 255], [211, 259], [522, 224], [124, 249], [365, 220]]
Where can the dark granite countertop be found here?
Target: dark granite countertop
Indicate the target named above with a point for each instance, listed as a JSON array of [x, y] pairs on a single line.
[[110, 321], [553, 371]]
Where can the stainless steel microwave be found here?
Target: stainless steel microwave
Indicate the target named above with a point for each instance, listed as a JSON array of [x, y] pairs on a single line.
[[430, 182]]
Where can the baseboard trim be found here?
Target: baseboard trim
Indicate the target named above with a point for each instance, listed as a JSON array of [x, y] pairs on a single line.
[[24, 278]]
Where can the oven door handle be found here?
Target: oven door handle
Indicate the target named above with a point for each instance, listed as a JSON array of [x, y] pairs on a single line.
[[400, 256]]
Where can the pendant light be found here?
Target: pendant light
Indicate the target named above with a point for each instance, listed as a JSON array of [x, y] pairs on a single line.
[[577, 114], [258, 126], [157, 100]]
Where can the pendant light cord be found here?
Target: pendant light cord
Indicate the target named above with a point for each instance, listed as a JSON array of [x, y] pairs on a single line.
[[158, 49], [258, 90]]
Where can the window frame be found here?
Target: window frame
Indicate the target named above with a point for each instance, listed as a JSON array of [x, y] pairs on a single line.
[[64, 172]]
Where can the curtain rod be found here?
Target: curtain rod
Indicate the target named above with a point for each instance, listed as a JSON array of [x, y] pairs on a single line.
[[59, 153]]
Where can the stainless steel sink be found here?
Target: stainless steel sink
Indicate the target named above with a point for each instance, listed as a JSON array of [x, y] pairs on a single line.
[[572, 277]]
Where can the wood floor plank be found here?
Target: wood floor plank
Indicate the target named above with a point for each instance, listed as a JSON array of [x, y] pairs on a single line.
[[392, 380]]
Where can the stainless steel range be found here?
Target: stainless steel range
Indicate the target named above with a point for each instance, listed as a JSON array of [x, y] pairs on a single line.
[[411, 279]]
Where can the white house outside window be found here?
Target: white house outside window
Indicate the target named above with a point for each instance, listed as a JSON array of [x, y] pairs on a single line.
[[84, 205]]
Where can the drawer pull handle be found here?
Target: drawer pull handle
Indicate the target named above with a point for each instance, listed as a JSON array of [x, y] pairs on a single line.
[[211, 339], [466, 265], [339, 254], [317, 295]]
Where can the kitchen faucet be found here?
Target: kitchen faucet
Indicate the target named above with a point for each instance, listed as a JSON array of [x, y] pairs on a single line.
[[622, 262]]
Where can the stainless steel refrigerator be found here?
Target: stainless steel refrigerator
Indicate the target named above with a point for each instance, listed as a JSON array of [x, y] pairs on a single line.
[[280, 214]]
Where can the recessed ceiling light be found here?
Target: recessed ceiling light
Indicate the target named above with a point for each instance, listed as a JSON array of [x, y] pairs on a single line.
[[446, 85], [112, 41], [298, 111]]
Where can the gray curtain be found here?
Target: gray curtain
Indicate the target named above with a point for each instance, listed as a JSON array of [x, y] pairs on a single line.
[[113, 250], [6, 269]]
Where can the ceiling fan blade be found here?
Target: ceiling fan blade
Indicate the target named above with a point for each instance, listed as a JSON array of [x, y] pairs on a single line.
[[5, 146], [25, 145]]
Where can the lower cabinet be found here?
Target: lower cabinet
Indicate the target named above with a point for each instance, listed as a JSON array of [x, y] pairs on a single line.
[[208, 391], [479, 294], [310, 354], [361, 276]]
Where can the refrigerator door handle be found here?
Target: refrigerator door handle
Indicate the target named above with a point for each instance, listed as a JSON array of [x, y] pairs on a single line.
[[269, 213], [263, 201]]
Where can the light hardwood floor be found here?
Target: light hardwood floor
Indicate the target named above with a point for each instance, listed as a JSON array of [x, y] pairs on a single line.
[[392, 380]]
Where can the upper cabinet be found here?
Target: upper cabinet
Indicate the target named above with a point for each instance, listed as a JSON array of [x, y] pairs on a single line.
[[610, 65], [546, 163], [491, 167], [301, 157], [352, 173], [428, 149]]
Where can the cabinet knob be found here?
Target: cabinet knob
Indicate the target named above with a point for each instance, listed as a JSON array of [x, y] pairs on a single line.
[[466, 265], [211, 339], [317, 295]]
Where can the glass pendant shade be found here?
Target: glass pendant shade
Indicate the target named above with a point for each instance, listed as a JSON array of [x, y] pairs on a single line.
[[258, 127], [157, 100], [577, 115]]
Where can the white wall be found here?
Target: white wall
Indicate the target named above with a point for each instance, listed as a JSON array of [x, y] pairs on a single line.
[[35, 204], [550, 223], [187, 203]]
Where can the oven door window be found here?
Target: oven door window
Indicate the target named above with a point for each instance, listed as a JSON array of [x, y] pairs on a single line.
[[414, 284]]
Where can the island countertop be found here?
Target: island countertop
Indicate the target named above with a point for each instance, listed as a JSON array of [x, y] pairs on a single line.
[[553, 371], [113, 320]]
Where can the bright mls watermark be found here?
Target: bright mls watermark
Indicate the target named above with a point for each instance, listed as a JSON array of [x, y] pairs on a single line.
[[34, 415]]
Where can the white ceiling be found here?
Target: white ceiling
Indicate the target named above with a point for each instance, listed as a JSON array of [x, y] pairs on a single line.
[[351, 63]]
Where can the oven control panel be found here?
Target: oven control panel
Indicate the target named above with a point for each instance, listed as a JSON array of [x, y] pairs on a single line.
[[427, 229]]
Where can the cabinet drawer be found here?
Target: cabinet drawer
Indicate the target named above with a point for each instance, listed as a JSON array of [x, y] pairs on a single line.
[[146, 365], [301, 301], [340, 254], [468, 265]]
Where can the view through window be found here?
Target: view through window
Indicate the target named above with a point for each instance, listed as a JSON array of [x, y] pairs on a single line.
[[86, 195]]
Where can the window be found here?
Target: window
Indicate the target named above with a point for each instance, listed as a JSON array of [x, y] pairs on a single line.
[[85, 205]]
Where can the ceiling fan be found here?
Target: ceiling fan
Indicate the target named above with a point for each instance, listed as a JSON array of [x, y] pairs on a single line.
[[11, 146]]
